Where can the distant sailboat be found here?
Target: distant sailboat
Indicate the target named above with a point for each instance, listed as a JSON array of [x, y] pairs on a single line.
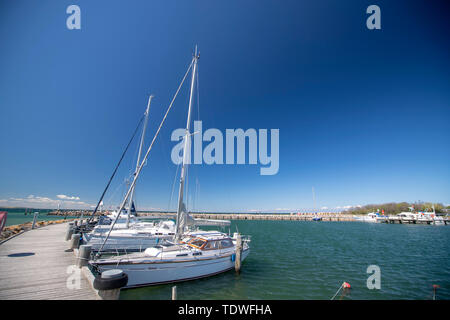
[[128, 233]]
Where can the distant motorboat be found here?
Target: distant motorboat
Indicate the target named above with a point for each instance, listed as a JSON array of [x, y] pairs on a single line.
[[438, 221], [370, 217], [424, 217]]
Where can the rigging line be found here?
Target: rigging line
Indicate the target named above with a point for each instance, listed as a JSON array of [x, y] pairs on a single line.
[[109, 200], [141, 165], [337, 292], [117, 167]]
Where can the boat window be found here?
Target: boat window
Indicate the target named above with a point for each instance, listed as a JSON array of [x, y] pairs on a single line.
[[226, 243], [212, 245], [197, 242]]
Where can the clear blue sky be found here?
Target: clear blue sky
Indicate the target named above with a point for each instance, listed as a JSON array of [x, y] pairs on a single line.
[[363, 115]]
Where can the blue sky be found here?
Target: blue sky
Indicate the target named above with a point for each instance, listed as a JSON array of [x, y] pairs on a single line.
[[363, 115]]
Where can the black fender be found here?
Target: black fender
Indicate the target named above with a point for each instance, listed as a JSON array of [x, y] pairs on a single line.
[[110, 283]]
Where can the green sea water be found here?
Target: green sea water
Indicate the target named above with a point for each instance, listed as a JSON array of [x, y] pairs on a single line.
[[18, 216], [310, 260]]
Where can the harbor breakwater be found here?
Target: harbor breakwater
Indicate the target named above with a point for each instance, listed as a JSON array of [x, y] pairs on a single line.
[[224, 216], [322, 216], [244, 216]]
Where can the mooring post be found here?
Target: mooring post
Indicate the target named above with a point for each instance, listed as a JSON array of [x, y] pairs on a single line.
[[69, 232], [109, 283], [34, 220], [174, 293], [237, 260], [75, 241], [83, 255]]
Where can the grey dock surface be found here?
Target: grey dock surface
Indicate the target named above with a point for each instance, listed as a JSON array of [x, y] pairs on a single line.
[[34, 265]]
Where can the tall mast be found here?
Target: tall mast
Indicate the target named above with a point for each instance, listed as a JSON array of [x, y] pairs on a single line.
[[144, 128], [181, 206]]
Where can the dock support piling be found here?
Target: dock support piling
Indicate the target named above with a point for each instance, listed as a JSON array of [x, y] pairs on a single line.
[[75, 241], [174, 293], [237, 261], [83, 255], [69, 232]]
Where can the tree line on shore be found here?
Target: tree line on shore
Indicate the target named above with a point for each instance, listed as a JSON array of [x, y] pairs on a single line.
[[397, 207]]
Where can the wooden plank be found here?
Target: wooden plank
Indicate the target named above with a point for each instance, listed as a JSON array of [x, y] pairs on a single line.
[[34, 265]]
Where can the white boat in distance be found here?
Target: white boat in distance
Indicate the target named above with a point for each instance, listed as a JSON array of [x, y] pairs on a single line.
[[370, 217], [191, 255]]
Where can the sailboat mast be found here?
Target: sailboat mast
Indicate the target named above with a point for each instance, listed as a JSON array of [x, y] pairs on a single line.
[[122, 205], [181, 206], [144, 128]]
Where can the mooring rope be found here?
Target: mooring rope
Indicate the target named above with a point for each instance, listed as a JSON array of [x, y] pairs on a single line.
[[337, 292]]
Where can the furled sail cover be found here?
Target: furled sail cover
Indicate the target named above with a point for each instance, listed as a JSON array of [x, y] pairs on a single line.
[[185, 218]]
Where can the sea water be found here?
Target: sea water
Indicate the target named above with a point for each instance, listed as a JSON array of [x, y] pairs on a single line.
[[310, 260]]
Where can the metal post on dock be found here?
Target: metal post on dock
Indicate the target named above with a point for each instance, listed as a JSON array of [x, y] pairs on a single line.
[[34, 220], [174, 293]]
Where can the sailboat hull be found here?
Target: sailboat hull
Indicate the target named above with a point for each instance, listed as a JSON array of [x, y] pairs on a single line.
[[155, 273]]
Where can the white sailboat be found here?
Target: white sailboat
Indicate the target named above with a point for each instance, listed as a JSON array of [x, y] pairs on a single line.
[[128, 233], [192, 254]]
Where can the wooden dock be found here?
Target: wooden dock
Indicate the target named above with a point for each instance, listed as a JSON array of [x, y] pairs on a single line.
[[34, 266]]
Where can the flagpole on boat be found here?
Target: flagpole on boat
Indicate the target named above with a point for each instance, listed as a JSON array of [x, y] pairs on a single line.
[[144, 128], [186, 154]]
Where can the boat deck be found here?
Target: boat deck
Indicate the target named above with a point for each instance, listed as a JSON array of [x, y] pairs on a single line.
[[35, 266]]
